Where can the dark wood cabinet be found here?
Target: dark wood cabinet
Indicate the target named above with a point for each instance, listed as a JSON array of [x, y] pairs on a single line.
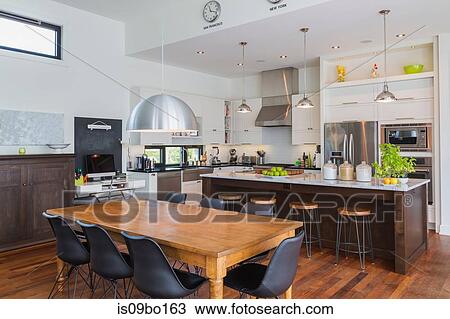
[[29, 185]]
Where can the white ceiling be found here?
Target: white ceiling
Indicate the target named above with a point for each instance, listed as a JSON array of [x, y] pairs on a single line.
[[340, 22], [120, 10]]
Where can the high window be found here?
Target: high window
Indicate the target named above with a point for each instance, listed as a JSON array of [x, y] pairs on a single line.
[[29, 36]]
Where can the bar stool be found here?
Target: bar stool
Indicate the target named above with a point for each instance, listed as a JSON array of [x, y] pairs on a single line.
[[310, 216], [266, 203], [232, 201], [357, 216]]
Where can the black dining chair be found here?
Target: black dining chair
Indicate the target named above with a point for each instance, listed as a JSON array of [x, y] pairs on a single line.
[[107, 262], [259, 210], [269, 281], [175, 198], [212, 203], [153, 275], [74, 253]]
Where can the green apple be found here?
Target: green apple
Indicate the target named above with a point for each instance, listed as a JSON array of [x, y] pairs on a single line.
[[279, 169], [277, 173], [274, 169], [264, 172]]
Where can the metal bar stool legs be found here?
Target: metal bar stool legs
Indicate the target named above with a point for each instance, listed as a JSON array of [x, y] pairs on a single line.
[[310, 215], [363, 234]]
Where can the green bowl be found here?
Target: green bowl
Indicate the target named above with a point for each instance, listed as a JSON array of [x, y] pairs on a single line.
[[413, 68]]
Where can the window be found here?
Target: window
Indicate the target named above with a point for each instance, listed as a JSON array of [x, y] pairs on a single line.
[[155, 154], [173, 155], [194, 153], [25, 35]]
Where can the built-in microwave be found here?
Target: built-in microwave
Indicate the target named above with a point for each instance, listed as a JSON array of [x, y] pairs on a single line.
[[410, 137]]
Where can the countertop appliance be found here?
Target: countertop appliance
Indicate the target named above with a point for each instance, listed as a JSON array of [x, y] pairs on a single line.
[[233, 156], [410, 137], [215, 156], [248, 160], [354, 142]]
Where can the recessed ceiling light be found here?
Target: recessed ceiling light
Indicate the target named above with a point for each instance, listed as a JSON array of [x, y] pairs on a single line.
[[200, 52], [283, 56], [400, 35], [240, 64], [366, 41], [335, 47]]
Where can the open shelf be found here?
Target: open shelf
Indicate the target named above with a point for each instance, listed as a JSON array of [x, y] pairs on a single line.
[[395, 78]]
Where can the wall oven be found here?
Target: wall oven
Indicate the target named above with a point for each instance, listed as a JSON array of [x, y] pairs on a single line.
[[424, 170], [409, 137]]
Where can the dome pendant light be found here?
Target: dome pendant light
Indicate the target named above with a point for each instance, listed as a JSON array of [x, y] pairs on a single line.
[[244, 107], [163, 112], [304, 103], [386, 96]]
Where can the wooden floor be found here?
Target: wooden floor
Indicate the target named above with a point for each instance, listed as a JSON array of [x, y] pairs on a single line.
[[30, 274]]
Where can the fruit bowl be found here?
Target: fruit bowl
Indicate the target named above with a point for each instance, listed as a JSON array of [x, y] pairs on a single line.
[[413, 68]]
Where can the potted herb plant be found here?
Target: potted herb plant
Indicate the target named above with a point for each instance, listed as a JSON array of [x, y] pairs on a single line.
[[394, 168]]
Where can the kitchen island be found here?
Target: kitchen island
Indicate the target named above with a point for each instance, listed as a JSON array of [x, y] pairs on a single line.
[[400, 212]]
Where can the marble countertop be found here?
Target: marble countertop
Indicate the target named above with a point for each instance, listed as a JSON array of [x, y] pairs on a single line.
[[317, 180]]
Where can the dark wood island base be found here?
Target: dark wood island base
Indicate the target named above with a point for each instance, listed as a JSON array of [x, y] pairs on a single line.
[[400, 215]]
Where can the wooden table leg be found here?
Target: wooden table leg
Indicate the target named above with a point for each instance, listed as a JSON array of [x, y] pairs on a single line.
[[288, 293], [215, 271]]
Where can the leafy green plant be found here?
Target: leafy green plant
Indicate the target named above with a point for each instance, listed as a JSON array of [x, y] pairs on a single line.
[[392, 163]]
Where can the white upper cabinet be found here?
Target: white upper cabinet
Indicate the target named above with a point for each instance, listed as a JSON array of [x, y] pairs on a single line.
[[350, 95], [406, 110], [246, 121], [213, 114], [306, 122], [244, 129]]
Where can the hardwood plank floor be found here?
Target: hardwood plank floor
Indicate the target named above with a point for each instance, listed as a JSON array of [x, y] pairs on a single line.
[[29, 273]]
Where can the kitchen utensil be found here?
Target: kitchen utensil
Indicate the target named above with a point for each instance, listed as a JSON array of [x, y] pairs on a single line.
[[346, 171], [413, 68], [330, 171], [364, 172], [233, 156]]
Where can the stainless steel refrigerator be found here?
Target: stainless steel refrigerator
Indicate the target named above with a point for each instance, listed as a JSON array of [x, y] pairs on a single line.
[[351, 141]]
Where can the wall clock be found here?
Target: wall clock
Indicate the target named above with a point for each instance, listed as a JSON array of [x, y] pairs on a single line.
[[275, 1], [211, 11]]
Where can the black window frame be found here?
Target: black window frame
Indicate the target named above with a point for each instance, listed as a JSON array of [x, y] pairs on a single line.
[[162, 149], [35, 22]]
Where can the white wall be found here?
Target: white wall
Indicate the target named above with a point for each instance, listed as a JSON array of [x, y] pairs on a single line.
[[444, 130], [73, 87]]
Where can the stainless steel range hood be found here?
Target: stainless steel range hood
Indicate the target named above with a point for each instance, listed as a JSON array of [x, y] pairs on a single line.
[[278, 86]]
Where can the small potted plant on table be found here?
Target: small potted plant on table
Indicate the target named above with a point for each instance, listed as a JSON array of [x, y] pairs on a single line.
[[394, 168]]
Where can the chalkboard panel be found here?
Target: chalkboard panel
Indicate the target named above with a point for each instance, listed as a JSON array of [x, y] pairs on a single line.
[[89, 142]]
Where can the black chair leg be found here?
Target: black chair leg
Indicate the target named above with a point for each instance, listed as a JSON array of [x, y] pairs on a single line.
[[57, 280], [317, 221]]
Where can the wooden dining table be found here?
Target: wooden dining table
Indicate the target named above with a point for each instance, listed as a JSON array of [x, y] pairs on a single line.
[[214, 240]]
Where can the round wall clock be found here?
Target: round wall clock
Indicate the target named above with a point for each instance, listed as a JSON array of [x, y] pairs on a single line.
[[275, 1], [211, 11]]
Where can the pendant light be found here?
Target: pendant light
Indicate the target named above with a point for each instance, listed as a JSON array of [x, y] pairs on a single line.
[[162, 112], [386, 96], [304, 103], [244, 107]]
